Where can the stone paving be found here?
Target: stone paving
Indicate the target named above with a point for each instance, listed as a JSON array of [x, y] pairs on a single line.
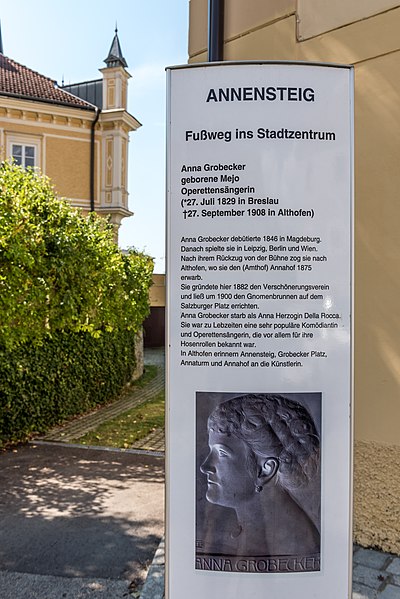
[[130, 399], [376, 575], [155, 441]]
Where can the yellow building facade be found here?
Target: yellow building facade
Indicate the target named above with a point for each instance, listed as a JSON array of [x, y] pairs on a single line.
[[364, 33], [77, 135]]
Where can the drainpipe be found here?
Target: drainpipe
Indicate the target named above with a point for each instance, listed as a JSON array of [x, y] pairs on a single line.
[[215, 30], [92, 139]]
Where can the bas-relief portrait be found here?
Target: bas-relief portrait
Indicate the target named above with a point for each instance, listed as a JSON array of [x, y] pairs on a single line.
[[258, 482]]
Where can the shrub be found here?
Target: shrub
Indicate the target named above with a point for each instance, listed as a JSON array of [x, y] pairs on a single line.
[[60, 270], [70, 305], [68, 374]]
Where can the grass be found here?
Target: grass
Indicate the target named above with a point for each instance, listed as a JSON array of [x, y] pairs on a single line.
[[148, 375], [133, 425]]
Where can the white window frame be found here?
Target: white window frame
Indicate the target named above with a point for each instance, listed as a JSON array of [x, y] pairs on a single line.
[[24, 159], [25, 141]]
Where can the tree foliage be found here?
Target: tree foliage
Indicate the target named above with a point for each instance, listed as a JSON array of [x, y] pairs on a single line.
[[70, 306], [60, 270]]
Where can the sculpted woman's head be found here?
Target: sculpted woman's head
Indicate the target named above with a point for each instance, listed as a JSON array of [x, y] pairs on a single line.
[[256, 440]]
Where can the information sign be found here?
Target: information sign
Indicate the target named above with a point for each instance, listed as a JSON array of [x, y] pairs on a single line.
[[259, 287]]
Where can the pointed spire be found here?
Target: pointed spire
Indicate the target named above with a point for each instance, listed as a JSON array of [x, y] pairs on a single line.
[[115, 58], [1, 42]]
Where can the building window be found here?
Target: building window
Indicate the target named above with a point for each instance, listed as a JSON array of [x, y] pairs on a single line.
[[25, 150], [24, 155]]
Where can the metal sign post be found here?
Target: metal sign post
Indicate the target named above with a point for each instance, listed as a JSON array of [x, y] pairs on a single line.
[[259, 277]]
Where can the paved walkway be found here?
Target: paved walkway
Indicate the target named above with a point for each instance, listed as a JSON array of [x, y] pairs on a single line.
[[153, 442], [376, 575], [76, 522], [130, 399]]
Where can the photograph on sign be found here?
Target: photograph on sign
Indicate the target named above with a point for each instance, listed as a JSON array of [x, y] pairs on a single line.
[[258, 482], [259, 330]]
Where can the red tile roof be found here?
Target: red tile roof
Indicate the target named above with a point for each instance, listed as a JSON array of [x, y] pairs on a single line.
[[18, 81]]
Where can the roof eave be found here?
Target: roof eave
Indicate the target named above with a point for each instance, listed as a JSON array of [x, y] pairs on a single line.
[[122, 115], [88, 107]]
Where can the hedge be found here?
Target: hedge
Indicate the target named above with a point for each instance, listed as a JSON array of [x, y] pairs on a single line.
[[70, 305], [68, 374]]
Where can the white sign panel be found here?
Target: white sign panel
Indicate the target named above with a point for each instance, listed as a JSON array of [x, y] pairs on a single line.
[[259, 331]]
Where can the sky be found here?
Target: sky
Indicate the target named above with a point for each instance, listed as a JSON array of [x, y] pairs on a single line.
[[70, 40]]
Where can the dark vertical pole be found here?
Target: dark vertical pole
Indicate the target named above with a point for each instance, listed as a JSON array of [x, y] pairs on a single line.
[[92, 169], [215, 30]]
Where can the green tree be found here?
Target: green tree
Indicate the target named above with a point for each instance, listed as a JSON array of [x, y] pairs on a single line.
[[70, 305], [60, 270]]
